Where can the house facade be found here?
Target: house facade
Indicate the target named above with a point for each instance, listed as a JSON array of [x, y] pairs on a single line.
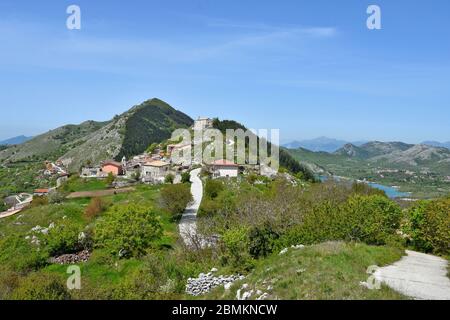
[[154, 171], [203, 123], [114, 167], [224, 169]]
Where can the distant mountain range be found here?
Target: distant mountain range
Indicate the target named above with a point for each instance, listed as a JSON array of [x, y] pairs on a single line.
[[321, 144], [15, 140], [437, 144], [331, 145]]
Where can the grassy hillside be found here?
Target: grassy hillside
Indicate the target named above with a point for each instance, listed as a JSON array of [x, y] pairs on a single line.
[[327, 271]]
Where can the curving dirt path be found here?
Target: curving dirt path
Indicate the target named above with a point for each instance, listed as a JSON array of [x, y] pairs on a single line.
[[188, 223], [418, 275]]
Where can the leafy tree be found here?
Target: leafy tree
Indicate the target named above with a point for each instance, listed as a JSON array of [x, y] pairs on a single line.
[[185, 177], [213, 188], [169, 178], [110, 179], [127, 230], [174, 198], [371, 219], [137, 175], [64, 238], [429, 226]]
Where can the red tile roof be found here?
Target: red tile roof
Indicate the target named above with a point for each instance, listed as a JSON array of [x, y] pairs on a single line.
[[112, 163], [224, 163]]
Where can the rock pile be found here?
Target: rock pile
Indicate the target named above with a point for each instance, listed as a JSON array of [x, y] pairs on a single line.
[[82, 256], [206, 282]]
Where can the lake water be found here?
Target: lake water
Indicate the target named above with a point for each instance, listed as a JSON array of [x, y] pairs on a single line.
[[391, 192]]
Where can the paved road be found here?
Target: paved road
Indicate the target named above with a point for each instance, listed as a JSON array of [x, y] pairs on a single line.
[[418, 275], [188, 223]]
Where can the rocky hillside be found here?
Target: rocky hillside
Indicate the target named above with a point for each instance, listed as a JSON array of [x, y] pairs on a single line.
[[126, 135], [399, 153]]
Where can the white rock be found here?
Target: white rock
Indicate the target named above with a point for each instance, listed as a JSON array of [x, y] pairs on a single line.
[[284, 251], [247, 295], [228, 286], [214, 270]]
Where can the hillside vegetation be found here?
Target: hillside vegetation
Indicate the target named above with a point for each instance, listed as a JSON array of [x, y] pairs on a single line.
[[287, 162]]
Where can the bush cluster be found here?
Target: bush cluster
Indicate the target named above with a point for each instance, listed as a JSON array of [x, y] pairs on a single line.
[[428, 226], [175, 197], [127, 230]]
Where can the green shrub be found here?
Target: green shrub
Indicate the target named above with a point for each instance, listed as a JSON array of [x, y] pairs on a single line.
[[3, 206], [169, 179], [262, 241], [19, 254], [235, 242], [213, 188], [64, 238], [370, 219], [174, 198], [429, 226], [185, 177], [127, 230], [110, 179], [9, 281], [41, 286]]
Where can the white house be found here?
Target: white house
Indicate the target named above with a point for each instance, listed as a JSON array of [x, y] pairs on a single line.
[[155, 171], [203, 123], [224, 169]]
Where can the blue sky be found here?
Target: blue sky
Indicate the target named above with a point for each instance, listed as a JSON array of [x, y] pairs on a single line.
[[309, 68]]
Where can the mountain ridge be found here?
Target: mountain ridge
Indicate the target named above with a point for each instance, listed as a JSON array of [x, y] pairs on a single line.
[[91, 141], [320, 144], [15, 140]]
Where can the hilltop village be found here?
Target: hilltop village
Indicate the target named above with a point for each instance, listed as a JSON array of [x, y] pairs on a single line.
[[155, 166]]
